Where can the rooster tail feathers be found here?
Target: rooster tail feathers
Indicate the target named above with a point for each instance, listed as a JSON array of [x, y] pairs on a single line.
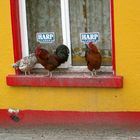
[[62, 52]]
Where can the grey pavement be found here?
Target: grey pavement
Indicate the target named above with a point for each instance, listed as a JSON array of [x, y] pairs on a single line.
[[53, 132]]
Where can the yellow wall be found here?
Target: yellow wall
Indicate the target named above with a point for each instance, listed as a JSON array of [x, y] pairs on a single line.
[[127, 32]]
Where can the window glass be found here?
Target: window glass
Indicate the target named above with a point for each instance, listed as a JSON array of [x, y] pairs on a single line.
[[85, 16], [88, 16], [43, 16]]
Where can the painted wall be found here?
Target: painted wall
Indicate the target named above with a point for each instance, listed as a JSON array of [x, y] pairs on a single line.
[[127, 33]]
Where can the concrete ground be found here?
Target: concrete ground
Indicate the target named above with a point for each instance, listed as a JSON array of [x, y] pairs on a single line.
[[52, 132]]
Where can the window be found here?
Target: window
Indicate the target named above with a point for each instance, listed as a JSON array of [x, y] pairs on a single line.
[[68, 20]]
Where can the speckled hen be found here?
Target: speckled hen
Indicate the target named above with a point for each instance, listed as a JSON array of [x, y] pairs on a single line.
[[26, 64]]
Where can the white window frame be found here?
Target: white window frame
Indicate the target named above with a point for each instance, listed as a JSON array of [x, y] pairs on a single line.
[[23, 28], [65, 32]]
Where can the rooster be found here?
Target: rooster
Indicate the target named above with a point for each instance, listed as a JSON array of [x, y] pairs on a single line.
[[26, 63], [51, 61], [93, 58]]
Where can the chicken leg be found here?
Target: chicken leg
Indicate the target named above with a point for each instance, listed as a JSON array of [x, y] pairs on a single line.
[[49, 74], [93, 73]]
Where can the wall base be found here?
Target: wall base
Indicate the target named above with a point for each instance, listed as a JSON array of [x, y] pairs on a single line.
[[36, 117]]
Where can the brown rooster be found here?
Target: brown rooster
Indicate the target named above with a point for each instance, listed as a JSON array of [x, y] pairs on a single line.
[[93, 58], [51, 61]]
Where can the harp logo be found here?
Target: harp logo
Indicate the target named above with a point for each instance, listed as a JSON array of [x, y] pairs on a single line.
[[45, 37], [90, 37]]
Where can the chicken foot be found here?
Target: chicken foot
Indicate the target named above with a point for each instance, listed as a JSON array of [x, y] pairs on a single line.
[[49, 74], [93, 73], [27, 73]]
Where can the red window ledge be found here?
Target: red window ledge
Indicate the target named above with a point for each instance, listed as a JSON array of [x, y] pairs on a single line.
[[98, 81]]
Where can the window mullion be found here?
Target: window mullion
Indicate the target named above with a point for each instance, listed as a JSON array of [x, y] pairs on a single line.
[[66, 28]]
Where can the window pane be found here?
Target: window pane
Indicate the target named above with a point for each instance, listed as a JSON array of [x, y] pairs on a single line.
[[90, 16], [43, 16]]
